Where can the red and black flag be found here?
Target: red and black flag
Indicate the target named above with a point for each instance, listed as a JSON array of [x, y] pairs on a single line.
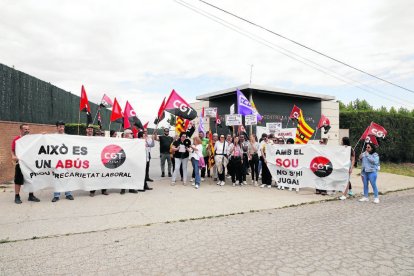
[[99, 120], [218, 121], [295, 113], [179, 107], [161, 113], [116, 114], [130, 113], [190, 128], [324, 123], [84, 106], [106, 102]]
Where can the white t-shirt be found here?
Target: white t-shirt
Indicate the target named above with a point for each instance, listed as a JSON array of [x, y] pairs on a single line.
[[218, 147], [196, 154]]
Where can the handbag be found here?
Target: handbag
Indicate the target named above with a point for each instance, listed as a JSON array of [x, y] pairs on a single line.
[[201, 162]]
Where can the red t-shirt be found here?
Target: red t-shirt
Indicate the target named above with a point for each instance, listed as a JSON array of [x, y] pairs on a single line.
[[14, 143]]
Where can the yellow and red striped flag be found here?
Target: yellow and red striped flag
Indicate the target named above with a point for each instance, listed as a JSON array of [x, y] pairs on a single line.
[[304, 132]]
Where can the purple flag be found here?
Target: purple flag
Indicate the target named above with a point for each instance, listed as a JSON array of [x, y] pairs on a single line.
[[201, 123], [243, 105]]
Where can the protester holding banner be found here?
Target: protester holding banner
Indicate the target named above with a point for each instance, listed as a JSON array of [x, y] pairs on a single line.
[[221, 152], [253, 156], [128, 135], [266, 176], [181, 149], [370, 163], [195, 156], [18, 176], [60, 127], [89, 133], [348, 190], [235, 161]]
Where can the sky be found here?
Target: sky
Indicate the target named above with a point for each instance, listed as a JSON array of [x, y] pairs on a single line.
[[140, 50]]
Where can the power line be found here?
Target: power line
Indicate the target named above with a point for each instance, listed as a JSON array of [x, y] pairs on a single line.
[[306, 47], [272, 46]]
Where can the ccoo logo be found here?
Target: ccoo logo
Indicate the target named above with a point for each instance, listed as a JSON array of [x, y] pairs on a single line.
[[321, 166], [113, 156]]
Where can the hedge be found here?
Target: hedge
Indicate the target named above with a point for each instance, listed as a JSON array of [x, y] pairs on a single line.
[[398, 146]]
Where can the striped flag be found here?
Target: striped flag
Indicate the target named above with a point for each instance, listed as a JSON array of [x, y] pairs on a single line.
[[179, 125], [304, 132]]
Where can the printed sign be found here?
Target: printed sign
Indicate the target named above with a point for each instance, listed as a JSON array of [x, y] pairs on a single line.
[[233, 120], [210, 112], [250, 119], [273, 127], [70, 162]]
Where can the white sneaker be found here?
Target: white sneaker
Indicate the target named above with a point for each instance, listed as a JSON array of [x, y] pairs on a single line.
[[173, 183], [290, 189], [237, 182], [297, 190], [269, 186], [279, 187], [376, 200], [363, 199], [229, 176], [244, 183], [222, 183], [197, 186], [192, 180], [218, 183], [263, 185], [202, 179], [192, 184], [342, 197], [234, 184], [255, 183], [282, 188], [184, 183]]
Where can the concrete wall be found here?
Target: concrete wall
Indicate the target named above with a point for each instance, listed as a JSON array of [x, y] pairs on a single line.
[[331, 110], [9, 130]]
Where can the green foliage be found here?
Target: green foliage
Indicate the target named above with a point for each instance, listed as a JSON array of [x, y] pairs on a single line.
[[171, 120], [398, 146], [72, 129]]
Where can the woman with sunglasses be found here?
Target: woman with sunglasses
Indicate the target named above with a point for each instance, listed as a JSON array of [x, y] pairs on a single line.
[[370, 163]]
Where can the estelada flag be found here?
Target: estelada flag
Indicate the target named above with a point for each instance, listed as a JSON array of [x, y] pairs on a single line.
[[304, 132], [377, 130], [295, 113], [179, 107], [161, 113], [179, 125], [116, 114], [106, 101], [131, 115]]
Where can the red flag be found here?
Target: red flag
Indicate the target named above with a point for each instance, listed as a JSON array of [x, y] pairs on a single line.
[[218, 121], [161, 114], [179, 107], [323, 122], [146, 125], [84, 103], [106, 101], [131, 115], [294, 114], [135, 132], [116, 114], [371, 139], [377, 130], [365, 134]]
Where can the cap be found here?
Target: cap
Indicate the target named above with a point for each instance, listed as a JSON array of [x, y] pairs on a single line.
[[90, 126], [127, 131], [166, 129], [60, 123]]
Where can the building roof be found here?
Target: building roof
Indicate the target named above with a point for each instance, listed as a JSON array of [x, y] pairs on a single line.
[[264, 89]]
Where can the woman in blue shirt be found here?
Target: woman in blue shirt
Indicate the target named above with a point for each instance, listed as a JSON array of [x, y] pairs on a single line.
[[370, 164]]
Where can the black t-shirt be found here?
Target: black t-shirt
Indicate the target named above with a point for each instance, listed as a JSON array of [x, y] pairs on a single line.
[[165, 142], [179, 153]]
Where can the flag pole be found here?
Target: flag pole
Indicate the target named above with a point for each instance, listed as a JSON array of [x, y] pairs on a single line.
[[96, 114], [78, 122], [316, 132], [287, 122]]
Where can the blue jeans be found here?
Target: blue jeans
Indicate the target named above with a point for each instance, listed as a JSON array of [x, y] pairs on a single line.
[[57, 194], [194, 162], [372, 178]]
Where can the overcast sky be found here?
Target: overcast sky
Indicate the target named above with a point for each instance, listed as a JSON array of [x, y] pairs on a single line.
[[141, 50]]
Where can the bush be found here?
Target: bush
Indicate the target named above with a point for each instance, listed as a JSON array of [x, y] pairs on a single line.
[[398, 146]]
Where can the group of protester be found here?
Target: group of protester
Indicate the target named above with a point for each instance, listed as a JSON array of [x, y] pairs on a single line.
[[232, 157]]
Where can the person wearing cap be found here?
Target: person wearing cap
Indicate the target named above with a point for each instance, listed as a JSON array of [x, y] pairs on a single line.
[[128, 135], [89, 133], [18, 176], [165, 144], [60, 128], [149, 143]]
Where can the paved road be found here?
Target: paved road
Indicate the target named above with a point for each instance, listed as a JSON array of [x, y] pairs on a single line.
[[328, 238]]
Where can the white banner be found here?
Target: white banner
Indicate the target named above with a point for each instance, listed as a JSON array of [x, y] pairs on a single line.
[[273, 127], [210, 112], [250, 120], [233, 120], [69, 162], [316, 166]]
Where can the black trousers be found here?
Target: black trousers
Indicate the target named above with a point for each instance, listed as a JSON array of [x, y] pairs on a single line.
[[236, 169], [266, 176], [254, 166]]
